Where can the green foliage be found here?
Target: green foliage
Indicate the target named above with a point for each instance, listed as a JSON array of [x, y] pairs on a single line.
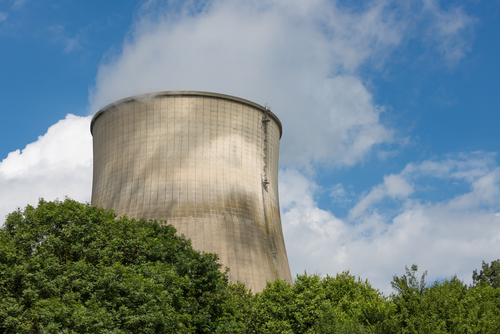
[[338, 304], [409, 284], [67, 267], [344, 304], [489, 274], [447, 306], [237, 309]]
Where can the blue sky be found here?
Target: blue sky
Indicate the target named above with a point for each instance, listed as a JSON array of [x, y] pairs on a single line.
[[389, 109]]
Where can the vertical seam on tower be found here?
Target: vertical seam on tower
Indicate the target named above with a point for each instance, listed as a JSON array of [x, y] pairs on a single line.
[[265, 183]]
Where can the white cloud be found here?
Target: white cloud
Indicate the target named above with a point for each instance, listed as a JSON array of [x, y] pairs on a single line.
[[466, 166], [18, 4], [450, 30], [485, 192], [58, 164], [3, 16], [300, 57], [446, 237], [307, 228], [339, 194], [397, 187], [394, 186], [59, 34]]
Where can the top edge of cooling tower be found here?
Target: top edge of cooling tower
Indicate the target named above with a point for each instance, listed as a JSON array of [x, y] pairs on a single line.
[[150, 96]]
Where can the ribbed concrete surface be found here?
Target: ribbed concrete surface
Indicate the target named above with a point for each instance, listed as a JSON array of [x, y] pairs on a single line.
[[197, 160]]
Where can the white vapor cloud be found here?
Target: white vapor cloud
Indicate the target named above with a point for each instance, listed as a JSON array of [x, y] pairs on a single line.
[[58, 164], [300, 57]]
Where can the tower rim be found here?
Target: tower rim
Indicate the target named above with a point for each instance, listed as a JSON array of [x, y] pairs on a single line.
[[190, 93]]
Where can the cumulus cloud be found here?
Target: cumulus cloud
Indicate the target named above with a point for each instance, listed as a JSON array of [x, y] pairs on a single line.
[[307, 228], [446, 237], [58, 164]]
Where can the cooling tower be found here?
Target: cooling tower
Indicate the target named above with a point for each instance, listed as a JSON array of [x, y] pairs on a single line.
[[207, 164]]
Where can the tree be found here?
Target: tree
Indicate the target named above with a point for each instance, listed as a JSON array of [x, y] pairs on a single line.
[[409, 284], [446, 306], [489, 274], [67, 267], [237, 309], [340, 304]]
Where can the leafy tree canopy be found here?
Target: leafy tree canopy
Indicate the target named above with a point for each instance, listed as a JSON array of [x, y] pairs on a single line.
[[489, 274], [67, 267], [447, 306], [340, 304]]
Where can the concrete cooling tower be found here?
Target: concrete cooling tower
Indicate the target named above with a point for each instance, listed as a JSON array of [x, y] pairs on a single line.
[[207, 164]]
